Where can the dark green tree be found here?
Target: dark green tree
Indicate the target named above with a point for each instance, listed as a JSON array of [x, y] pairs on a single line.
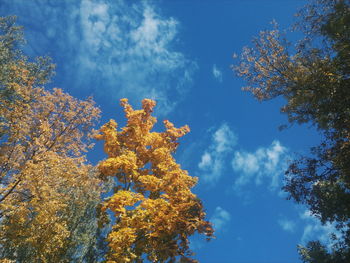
[[313, 76]]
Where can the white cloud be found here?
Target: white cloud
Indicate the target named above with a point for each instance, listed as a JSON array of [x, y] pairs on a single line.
[[220, 218], [217, 73], [315, 230], [246, 162], [287, 225], [224, 139], [112, 49], [130, 46], [212, 161], [206, 161], [263, 164]]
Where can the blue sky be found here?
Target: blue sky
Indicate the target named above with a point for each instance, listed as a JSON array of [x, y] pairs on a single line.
[[179, 52]]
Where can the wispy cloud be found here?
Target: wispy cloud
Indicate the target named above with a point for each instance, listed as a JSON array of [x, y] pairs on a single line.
[[133, 51], [287, 225], [111, 48], [212, 161], [220, 218], [217, 73], [315, 230], [264, 164]]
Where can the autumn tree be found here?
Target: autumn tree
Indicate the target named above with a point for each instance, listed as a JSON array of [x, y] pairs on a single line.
[[12, 59], [313, 78], [155, 211], [48, 192]]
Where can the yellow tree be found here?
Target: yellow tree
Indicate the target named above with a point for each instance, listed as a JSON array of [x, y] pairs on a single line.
[[12, 62], [46, 186], [44, 174], [154, 208]]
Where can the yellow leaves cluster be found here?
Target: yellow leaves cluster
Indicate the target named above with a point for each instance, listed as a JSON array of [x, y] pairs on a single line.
[[126, 162], [155, 209], [122, 242], [46, 186], [120, 200], [42, 170], [266, 65]]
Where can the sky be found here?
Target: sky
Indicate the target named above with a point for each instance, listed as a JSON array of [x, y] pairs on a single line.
[[180, 52]]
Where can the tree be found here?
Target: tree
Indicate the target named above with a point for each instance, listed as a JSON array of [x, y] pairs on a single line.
[[154, 208], [313, 77], [48, 192], [12, 61]]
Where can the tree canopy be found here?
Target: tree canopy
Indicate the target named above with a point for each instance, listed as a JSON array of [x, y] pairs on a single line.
[[50, 196], [48, 192], [154, 208], [313, 77]]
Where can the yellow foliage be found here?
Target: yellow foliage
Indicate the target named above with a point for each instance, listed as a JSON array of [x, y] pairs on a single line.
[[154, 207], [42, 169]]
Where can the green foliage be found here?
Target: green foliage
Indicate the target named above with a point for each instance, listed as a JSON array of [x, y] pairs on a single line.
[[315, 252], [314, 78]]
